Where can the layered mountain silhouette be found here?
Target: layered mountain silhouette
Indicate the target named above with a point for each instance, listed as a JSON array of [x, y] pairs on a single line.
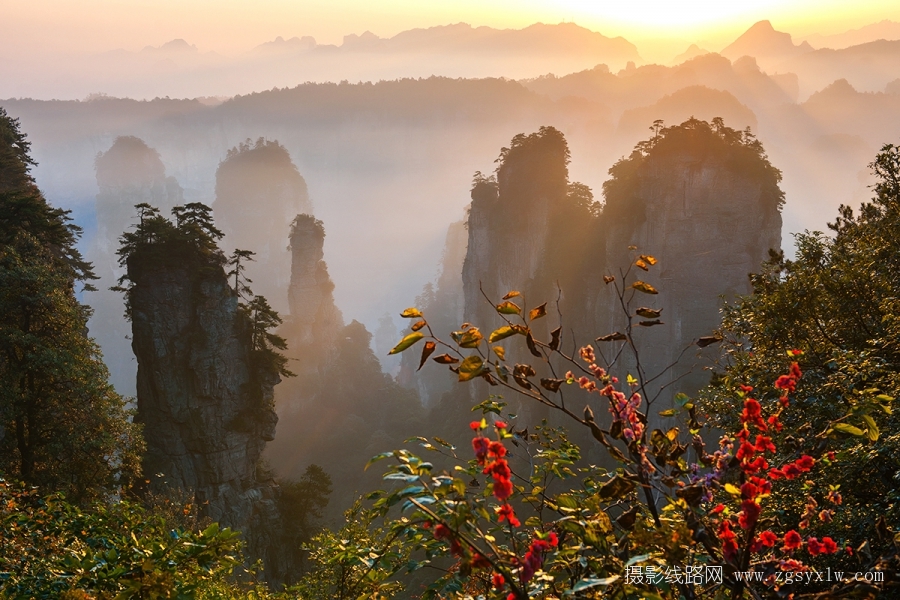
[[883, 30], [762, 42]]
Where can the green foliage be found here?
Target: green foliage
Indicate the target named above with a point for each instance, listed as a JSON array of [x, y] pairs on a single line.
[[357, 561], [62, 426], [192, 241], [51, 549], [837, 302], [301, 505], [532, 521]]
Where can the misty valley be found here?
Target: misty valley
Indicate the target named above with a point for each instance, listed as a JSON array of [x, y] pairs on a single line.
[[627, 331]]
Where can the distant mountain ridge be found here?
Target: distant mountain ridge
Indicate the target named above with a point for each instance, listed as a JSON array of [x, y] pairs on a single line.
[[883, 30], [762, 41], [462, 38]]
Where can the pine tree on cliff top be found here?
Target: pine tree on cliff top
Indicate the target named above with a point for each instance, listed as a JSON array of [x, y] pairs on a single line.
[[62, 426]]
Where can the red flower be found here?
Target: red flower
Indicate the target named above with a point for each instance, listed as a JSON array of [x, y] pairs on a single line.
[[805, 463], [792, 471], [747, 450], [829, 546], [768, 538], [786, 382], [752, 409], [499, 469], [814, 547], [749, 490], [497, 449], [506, 513], [719, 508], [757, 465], [503, 489], [475, 425], [500, 425], [796, 373], [785, 401], [746, 388], [554, 540], [497, 580], [792, 540], [441, 531], [777, 474], [764, 443]]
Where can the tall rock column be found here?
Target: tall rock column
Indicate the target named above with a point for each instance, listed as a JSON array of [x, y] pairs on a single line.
[[204, 397], [704, 200]]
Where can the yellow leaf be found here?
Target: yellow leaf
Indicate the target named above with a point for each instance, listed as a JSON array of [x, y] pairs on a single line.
[[732, 489], [641, 264], [470, 368], [643, 286], [500, 352], [538, 312], [502, 333], [648, 259], [511, 294], [411, 313], [406, 342], [508, 308]]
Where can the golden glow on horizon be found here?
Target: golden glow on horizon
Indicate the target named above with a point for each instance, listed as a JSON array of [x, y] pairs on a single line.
[[237, 25]]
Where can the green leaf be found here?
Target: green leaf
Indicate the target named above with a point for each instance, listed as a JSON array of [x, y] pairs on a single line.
[[470, 368], [681, 398], [871, 428], [508, 308], [848, 428], [406, 342], [378, 457], [411, 313], [668, 413]]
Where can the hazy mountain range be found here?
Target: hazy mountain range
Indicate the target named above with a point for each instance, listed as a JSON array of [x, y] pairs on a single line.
[[180, 69]]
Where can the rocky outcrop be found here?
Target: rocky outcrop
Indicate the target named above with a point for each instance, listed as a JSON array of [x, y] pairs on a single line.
[[205, 402], [314, 321], [705, 202], [341, 409], [129, 173], [702, 198], [258, 192]]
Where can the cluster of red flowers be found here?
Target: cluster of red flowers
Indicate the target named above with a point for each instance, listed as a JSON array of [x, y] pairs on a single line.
[[794, 469], [753, 463], [491, 455]]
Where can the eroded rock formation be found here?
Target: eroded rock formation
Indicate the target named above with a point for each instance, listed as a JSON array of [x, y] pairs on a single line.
[[129, 173], [204, 398]]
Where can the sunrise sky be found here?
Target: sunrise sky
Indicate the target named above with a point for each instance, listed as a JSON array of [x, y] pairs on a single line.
[[231, 26]]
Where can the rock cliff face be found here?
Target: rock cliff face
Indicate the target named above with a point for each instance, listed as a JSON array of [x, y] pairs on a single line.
[[315, 320], [702, 198], [705, 202], [341, 409], [206, 408]]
